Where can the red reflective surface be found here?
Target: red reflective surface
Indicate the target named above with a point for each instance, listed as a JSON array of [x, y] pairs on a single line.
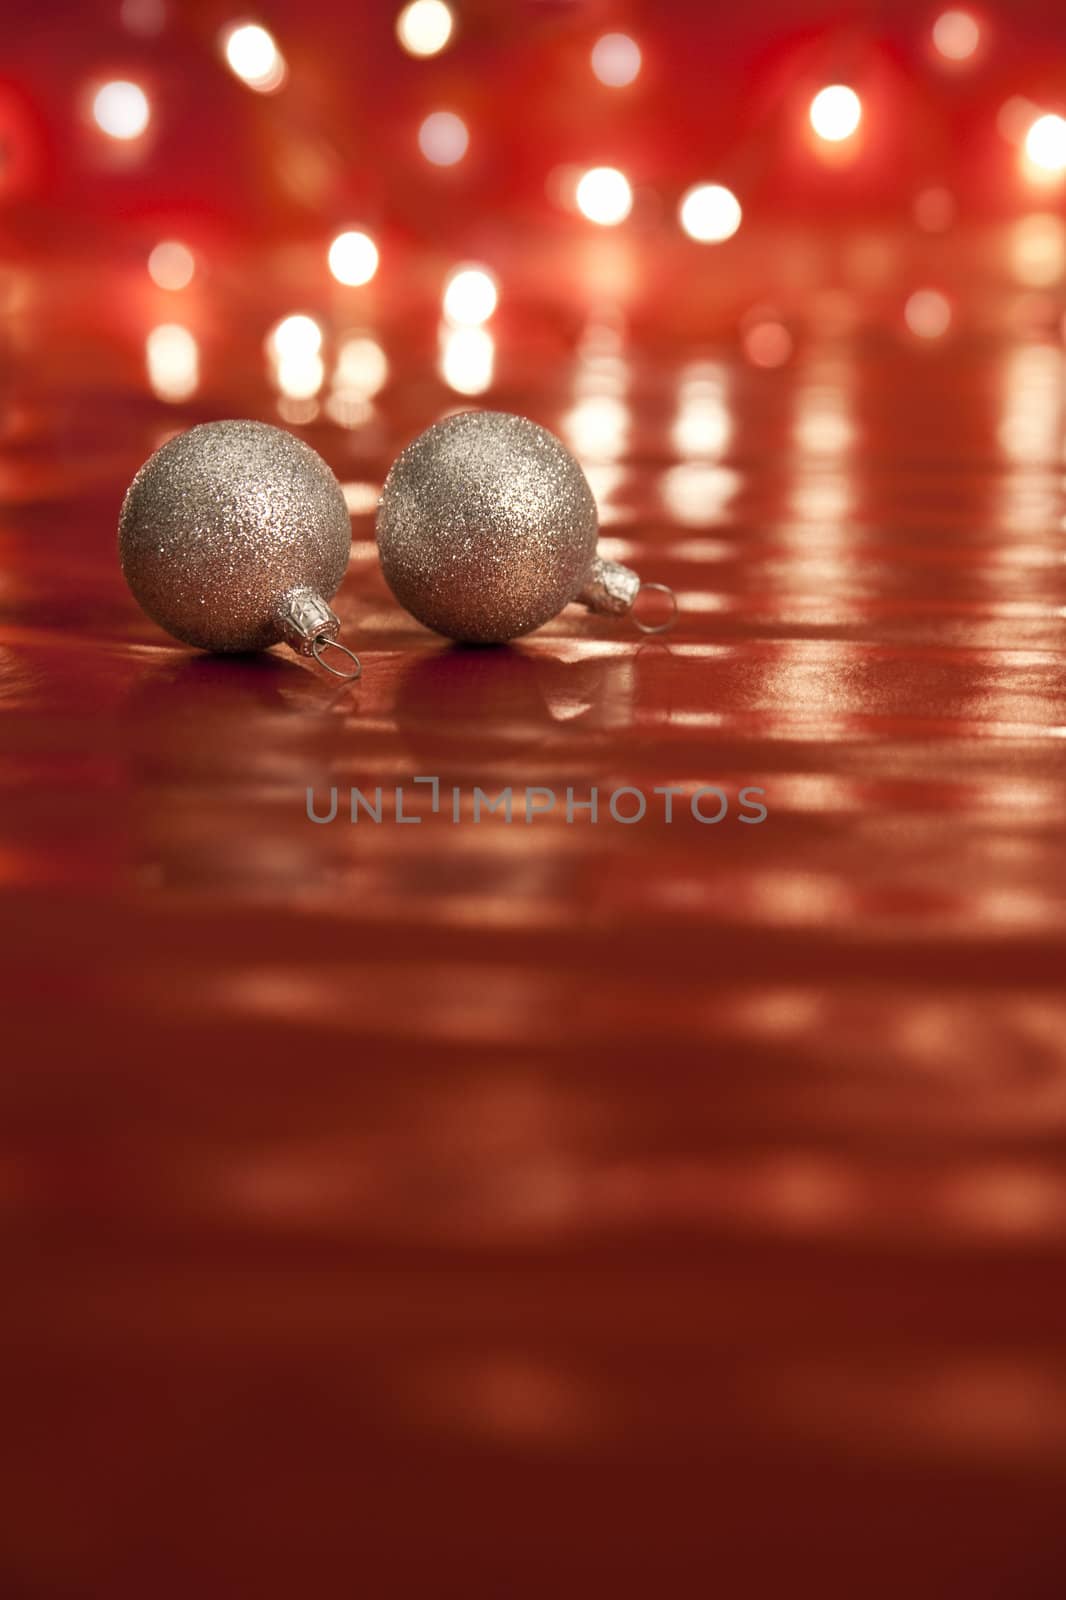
[[492, 1209]]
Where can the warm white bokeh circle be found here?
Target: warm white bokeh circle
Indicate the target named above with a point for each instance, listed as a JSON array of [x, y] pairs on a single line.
[[956, 35], [1045, 143], [353, 258], [253, 57], [470, 296], [710, 213], [121, 110], [171, 265], [604, 196], [928, 314], [424, 27], [835, 113], [616, 60], [443, 138]]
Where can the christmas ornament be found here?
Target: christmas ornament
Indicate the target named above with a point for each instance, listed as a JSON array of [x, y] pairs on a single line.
[[487, 528], [234, 536]]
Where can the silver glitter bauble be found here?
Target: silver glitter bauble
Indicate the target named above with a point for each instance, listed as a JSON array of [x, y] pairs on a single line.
[[234, 536], [487, 527]]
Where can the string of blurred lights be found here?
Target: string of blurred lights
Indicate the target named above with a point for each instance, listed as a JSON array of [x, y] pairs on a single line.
[[708, 212]]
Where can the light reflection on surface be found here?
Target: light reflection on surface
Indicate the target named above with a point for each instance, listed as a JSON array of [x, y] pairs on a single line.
[[362, 365], [605, 479], [172, 356], [823, 425], [1031, 426], [361, 498], [823, 460], [348, 408], [603, 335], [298, 411], [601, 369], [1029, 501], [862, 1006], [1005, 1200], [512, 1400], [467, 359], [596, 428], [697, 493], [297, 367], [1002, 1409], [1037, 250], [703, 427], [821, 498]]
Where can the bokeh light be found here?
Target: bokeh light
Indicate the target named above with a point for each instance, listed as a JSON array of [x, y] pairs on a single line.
[[616, 60], [362, 365], [294, 347], [172, 358], [710, 213], [703, 427], [604, 196], [934, 209], [1030, 431], [349, 409], [146, 18], [1037, 250], [121, 110], [443, 138], [424, 27], [171, 265], [928, 314], [353, 258], [300, 374], [1015, 117], [470, 297], [467, 359], [825, 423], [956, 35], [767, 343], [835, 113], [597, 428], [1045, 144], [254, 57], [294, 336], [697, 492]]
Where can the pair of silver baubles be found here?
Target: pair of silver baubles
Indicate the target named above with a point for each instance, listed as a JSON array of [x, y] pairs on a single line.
[[235, 536]]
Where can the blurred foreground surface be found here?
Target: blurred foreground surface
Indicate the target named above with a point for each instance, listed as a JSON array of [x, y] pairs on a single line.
[[552, 1209]]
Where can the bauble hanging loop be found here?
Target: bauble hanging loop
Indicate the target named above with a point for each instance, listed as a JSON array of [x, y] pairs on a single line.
[[234, 536], [487, 528]]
